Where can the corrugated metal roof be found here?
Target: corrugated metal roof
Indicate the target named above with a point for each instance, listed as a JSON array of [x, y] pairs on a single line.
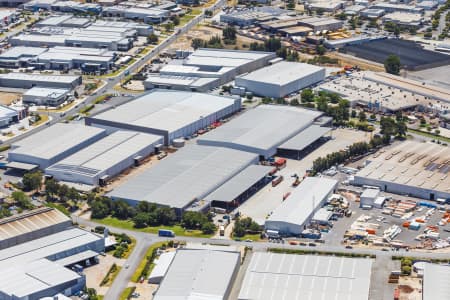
[[234, 187], [55, 140], [106, 153], [436, 280], [263, 127], [167, 110], [73, 259], [45, 247], [198, 274], [305, 138], [283, 72], [162, 264], [187, 175], [303, 200], [26, 279], [273, 276], [30, 221]]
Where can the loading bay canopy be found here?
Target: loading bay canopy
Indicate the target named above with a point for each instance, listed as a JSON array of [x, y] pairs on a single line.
[[305, 138], [21, 166], [79, 257], [240, 183]]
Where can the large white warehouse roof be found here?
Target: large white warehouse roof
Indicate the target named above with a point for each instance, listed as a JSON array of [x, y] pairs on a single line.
[[166, 111], [103, 155], [273, 276], [283, 73], [185, 176], [199, 274], [307, 198], [262, 129], [435, 281], [54, 143]]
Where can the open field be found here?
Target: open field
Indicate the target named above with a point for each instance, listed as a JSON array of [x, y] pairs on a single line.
[[7, 98]]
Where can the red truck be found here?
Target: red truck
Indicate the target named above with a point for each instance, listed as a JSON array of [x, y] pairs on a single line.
[[277, 180]]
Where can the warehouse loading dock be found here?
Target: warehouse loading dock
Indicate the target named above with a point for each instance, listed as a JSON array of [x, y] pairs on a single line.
[[239, 188], [304, 142]]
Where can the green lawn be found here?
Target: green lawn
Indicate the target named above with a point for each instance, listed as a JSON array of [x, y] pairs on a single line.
[[430, 135], [185, 19], [253, 237], [59, 207], [127, 224], [137, 273], [111, 276]]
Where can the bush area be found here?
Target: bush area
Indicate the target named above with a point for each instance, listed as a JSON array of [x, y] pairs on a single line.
[[407, 262], [126, 294], [245, 226], [125, 245], [146, 215], [326, 253], [330, 103], [111, 275]]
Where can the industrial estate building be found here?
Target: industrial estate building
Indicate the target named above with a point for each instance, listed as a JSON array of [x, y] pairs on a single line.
[[435, 281], [27, 80], [199, 273], [45, 96], [31, 225], [206, 69], [388, 93], [261, 130], [52, 144], [35, 269], [413, 168], [273, 276], [289, 218], [106, 158], [185, 178], [171, 114], [147, 15], [8, 115], [281, 79]]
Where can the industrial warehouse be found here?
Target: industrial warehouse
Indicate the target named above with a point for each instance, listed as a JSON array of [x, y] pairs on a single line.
[[261, 130], [37, 247], [413, 168], [273, 276], [106, 158], [435, 281], [61, 140], [205, 69], [290, 218], [281, 79], [171, 114], [204, 273], [27, 81], [185, 178]]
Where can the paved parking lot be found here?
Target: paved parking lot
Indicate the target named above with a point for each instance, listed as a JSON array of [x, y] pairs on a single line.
[[269, 198]]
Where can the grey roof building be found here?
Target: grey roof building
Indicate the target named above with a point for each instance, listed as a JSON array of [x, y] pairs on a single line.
[[31, 225], [435, 281], [185, 178], [199, 274], [281, 79], [290, 217], [171, 114], [27, 81], [106, 158], [261, 130], [273, 276], [45, 96], [61, 140]]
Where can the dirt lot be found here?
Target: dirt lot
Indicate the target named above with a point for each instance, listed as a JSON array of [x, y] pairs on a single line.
[[8, 98], [205, 32]]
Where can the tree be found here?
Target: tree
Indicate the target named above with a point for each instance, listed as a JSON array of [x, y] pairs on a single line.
[[362, 116], [99, 209], [401, 129], [176, 20], [92, 294], [32, 181], [392, 64], [437, 132], [122, 210], [208, 228], [169, 26], [166, 215], [63, 192], [197, 43], [51, 187], [22, 200], [307, 95], [229, 34], [140, 220], [353, 113], [152, 39], [294, 102], [320, 50]]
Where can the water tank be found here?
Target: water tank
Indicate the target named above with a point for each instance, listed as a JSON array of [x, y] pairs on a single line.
[[178, 143]]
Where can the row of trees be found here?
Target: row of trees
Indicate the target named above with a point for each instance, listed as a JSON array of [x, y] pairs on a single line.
[[339, 110], [339, 157], [198, 221]]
